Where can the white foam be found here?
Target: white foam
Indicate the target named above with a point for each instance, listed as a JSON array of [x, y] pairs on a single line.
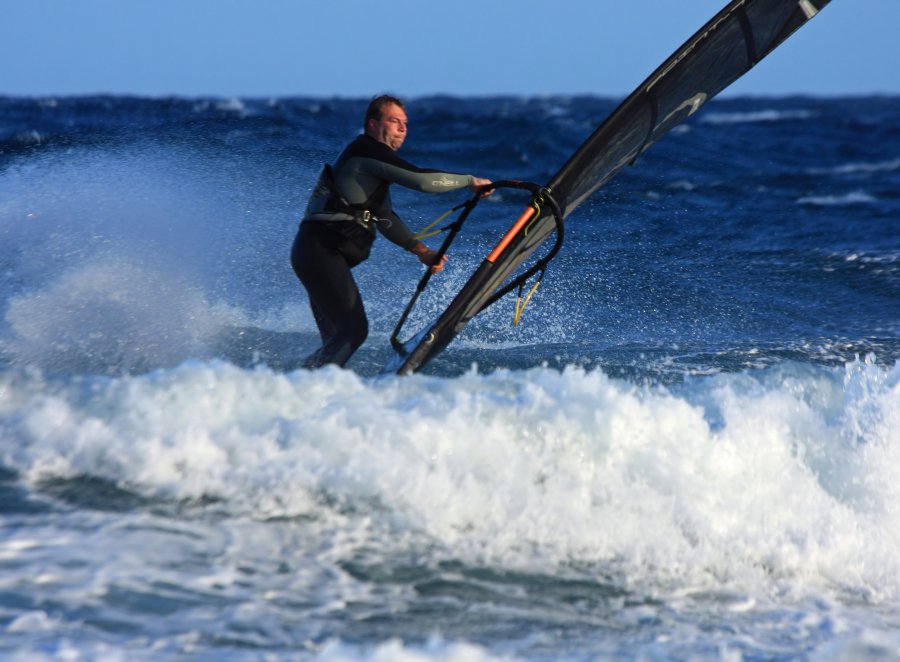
[[31, 621], [768, 115], [858, 168], [851, 198], [395, 650], [784, 475]]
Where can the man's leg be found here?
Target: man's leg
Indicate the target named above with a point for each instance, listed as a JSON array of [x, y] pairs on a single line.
[[333, 294]]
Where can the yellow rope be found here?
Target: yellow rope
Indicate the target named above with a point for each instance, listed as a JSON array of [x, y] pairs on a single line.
[[424, 232], [520, 303], [537, 208]]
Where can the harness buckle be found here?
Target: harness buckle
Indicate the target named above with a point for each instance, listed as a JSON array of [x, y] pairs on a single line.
[[366, 219]]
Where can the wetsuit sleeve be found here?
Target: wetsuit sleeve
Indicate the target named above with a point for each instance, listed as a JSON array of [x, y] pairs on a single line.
[[370, 163], [393, 227], [419, 179]]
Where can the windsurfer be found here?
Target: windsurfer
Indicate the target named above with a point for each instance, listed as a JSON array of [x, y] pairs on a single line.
[[348, 203]]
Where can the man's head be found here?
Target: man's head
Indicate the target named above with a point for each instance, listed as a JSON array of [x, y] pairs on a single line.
[[386, 121]]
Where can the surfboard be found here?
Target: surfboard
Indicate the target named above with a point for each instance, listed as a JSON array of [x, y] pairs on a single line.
[[730, 44]]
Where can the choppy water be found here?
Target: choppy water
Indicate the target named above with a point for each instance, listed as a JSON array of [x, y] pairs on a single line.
[[688, 448]]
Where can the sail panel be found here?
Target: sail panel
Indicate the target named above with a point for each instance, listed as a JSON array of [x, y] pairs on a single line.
[[728, 46]]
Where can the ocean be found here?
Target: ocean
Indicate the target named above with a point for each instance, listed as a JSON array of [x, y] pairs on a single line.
[[688, 449]]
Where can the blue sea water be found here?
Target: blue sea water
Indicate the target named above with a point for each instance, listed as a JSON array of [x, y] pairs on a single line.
[[689, 448]]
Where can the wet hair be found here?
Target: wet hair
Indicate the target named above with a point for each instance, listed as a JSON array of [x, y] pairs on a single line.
[[376, 107]]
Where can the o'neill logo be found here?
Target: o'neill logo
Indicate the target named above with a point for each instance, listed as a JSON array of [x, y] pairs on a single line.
[[445, 181]]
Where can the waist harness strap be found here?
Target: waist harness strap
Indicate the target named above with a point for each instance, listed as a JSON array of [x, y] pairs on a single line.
[[338, 203]]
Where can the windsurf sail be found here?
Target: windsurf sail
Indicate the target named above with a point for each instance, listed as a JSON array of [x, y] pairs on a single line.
[[723, 50]]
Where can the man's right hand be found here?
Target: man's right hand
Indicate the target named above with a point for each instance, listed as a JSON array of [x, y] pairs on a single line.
[[478, 183]]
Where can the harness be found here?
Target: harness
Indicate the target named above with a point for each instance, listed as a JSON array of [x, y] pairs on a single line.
[[337, 203]]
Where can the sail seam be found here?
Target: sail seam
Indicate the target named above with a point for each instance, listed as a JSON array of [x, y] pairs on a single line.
[[749, 40]]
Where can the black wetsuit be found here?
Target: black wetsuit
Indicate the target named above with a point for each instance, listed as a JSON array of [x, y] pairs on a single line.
[[337, 232]]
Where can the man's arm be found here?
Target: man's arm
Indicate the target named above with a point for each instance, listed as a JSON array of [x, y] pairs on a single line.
[[393, 227], [374, 159], [418, 179]]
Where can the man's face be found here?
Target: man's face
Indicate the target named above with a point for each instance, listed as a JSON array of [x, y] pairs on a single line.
[[391, 128]]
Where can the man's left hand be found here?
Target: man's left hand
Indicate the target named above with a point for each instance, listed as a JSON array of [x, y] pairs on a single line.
[[429, 257]]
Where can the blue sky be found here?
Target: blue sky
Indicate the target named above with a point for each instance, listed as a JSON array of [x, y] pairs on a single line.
[[351, 48]]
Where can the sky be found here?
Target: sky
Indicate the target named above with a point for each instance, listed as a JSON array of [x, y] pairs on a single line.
[[353, 48]]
